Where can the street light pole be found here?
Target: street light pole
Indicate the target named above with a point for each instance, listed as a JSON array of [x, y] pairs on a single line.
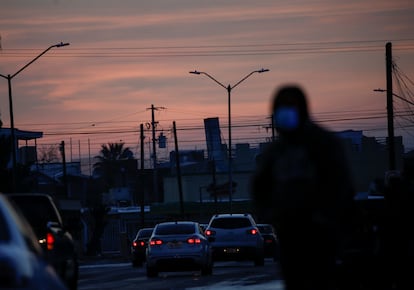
[[390, 116], [229, 88], [12, 133]]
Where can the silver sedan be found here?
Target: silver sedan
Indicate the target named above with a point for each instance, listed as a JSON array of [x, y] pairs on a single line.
[[178, 246]]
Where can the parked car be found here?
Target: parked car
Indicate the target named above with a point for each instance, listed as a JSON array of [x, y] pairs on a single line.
[[54, 238], [235, 237], [22, 264], [271, 245], [178, 246], [139, 246]]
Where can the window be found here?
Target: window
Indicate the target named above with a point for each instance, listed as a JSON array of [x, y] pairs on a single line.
[[231, 223], [175, 229], [145, 233]]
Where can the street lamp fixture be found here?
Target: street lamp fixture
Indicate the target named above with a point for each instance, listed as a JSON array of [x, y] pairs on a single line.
[[390, 117], [395, 95], [229, 88], [12, 133]]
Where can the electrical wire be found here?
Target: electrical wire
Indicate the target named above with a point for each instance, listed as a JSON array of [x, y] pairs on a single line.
[[219, 50], [256, 128]]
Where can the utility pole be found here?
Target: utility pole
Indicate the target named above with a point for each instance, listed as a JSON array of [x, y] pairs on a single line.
[[142, 197], [89, 157], [178, 168], [390, 108], [64, 176], [154, 154], [154, 151], [213, 168]]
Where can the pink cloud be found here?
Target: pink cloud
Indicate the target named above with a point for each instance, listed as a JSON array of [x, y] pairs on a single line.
[[123, 58]]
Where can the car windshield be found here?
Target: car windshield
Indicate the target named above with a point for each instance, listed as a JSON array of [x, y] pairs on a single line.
[[37, 211], [265, 229], [144, 233], [230, 223], [175, 229]]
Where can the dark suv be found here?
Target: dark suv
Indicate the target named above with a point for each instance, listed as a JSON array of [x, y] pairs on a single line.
[[235, 237], [56, 242], [139, 246], [271, 244]]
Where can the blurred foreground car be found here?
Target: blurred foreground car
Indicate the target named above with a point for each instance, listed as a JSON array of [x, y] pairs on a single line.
[[55, 240], [139, 246], [235, 237], [271, 247], [178, 246], [22, 265]]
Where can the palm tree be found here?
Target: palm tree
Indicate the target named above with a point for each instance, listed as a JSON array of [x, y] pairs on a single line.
[[110, 159], [108, 167]]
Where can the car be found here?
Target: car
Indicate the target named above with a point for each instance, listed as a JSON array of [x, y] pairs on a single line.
[[57, 243], [139, 246], [22, 263], [178, 246], [235, 237], [271, 246], [203, 227]]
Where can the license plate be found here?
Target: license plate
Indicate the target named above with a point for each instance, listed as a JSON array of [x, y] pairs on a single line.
[[231, 250], [174, 245]]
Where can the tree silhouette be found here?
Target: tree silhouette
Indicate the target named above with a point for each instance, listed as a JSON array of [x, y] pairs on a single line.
[[107, 168], [109, 165], [49, 153]]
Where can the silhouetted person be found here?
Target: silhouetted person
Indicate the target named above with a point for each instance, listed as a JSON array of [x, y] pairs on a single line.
[[303, 187]]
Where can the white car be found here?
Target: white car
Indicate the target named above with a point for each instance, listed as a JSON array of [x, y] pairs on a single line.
[[235, 237], [22, 262], [178, 246]]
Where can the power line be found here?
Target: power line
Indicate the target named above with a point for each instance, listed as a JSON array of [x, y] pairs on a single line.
[[305, 43], [256, 134], [222, 50], [237, 125]]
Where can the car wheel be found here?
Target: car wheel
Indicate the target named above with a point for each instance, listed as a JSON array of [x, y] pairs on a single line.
[[152, 272], [70, 270]]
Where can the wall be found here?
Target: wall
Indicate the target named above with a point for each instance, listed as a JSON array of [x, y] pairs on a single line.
[[195, 186]]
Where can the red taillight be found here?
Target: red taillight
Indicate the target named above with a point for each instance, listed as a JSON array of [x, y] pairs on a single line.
[[136, 244], [210, 233], [268, 241], [194, 241], [155, 242], [253, 231], [50, 241]]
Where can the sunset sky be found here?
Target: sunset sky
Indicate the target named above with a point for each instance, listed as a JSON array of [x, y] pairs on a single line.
[[126, 55]]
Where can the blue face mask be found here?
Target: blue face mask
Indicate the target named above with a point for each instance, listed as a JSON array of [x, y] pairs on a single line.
[[286, 118]]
